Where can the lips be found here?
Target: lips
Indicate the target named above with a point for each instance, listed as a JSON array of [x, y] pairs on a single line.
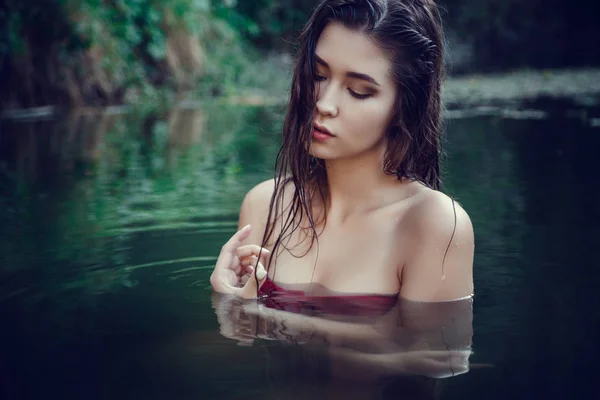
[[322, 129], [321, 134]]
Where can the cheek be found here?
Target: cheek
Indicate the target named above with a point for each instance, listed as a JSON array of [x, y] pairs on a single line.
[[372, 118]]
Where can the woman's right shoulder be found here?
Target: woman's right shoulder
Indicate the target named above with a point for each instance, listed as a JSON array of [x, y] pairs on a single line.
[[256, 204], [260, 195]]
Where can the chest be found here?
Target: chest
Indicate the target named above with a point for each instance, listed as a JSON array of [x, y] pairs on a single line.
[[358, 257]]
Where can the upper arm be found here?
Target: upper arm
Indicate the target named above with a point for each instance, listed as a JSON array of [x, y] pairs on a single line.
[[255, 211], [439, 266]]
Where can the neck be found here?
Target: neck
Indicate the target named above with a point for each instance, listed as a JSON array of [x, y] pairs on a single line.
[[356, 185]]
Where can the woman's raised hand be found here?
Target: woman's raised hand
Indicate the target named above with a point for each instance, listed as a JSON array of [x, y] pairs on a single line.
[[234, 272]]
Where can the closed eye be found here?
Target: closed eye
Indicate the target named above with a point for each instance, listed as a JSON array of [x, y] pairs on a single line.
[[360, 96]]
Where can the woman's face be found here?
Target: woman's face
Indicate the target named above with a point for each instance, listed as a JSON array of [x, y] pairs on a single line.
[[355, 95]]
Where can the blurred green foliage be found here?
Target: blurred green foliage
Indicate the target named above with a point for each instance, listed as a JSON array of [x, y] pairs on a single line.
[[98, 52], [271, 24]]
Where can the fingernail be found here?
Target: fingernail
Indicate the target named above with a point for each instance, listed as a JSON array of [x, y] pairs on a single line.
[[261, 273], [246, 227]]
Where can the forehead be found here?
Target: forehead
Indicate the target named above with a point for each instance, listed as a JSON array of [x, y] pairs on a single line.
[[347, 50]]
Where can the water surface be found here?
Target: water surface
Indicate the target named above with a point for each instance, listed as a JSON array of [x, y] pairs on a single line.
[[110, 225]]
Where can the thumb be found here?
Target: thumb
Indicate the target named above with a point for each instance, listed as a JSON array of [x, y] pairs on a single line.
[[253, 285]]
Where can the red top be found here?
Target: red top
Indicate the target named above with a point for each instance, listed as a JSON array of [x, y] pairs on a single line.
[[274, 296]]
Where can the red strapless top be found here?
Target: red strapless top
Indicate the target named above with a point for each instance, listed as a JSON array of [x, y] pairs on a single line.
[[274, 296]]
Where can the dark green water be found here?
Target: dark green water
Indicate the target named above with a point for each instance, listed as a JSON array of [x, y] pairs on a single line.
[[110, 225]]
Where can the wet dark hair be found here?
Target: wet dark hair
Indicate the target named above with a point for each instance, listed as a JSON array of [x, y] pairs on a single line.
[[409, 31]]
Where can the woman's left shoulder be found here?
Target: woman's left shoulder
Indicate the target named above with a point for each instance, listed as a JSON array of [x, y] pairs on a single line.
[[438, 237], [435, 215]]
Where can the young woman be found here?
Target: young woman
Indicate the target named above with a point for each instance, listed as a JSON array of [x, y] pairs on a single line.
[[354, 209]]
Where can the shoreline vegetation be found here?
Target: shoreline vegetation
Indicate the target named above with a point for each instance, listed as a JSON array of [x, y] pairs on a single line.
[[149, 55], [472, 94]]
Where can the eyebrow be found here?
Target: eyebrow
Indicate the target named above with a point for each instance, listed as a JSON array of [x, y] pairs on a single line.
[[350, 74]]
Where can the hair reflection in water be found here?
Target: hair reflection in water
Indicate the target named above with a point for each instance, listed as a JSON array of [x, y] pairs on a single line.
[[354, 350]]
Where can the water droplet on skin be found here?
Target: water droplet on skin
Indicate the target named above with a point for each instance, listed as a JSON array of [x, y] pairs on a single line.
[[443, 277]]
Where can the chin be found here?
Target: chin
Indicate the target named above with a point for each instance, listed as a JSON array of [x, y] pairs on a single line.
[[324, 154]]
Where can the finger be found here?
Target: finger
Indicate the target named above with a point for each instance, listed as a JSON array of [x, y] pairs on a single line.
[[245, 279], [246, 269], [251, 288], [238, 268], [251, 250], [237, 239], [252, 260]]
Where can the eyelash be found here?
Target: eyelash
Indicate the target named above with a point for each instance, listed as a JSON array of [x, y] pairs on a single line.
[[359, 96]]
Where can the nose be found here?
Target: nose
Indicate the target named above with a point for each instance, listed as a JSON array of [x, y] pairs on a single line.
[[327, 102]]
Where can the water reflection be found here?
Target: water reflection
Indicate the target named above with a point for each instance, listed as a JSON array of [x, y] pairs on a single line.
[[79, 191], [426, 340], [110, 224]]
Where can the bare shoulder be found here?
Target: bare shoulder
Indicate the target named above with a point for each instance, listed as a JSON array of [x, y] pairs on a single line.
[[440, 243], [259, 197], [436, 216], [261, 192], [255, 207], [257, 204]]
